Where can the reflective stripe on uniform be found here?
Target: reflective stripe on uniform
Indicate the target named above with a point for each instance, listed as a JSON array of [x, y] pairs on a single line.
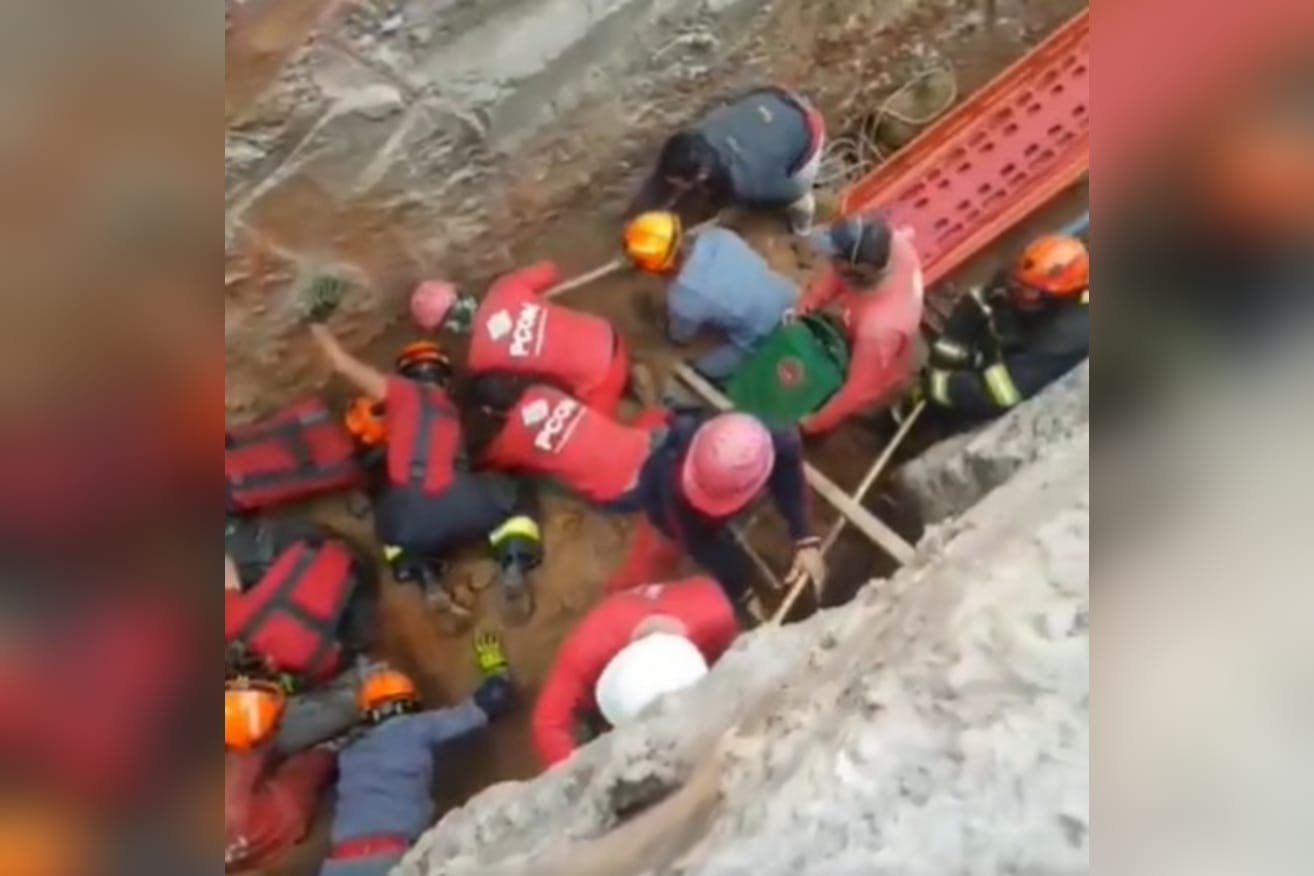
[[951, 350], [1000, 383], [938, 386], [522, 526], [391, 552], [1085, 297]]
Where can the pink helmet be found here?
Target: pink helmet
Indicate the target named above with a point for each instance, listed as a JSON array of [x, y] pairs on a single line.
[[729, 461], [430, 302]]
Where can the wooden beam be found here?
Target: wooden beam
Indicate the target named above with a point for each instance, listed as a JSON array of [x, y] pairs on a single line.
[[866, 522]]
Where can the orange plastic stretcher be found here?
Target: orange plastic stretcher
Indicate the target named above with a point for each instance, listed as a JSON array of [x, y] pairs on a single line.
[[993, 159]]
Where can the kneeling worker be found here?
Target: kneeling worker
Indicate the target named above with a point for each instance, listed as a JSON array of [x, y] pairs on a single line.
[[716, 280], [385, 775], [430, 503], [875, 280], [1030, 327], [763, 150], [631, 648], [516, 331]]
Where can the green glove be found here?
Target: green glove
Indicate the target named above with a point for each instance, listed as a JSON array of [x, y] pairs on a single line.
[[489, 654], [323, 296]]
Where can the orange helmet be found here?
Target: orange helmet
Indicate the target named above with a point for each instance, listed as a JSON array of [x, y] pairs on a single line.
[[652, 240], [1053, 266], [424, 360], [251, 712], [387, 692], [364, 420]]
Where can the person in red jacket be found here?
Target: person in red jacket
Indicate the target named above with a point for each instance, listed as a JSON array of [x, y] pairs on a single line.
[[875, 280], [268, 802], [519, 425], [631, 648], [517, 331]]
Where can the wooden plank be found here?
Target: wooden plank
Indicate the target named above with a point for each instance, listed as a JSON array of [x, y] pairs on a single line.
[[866, 522]]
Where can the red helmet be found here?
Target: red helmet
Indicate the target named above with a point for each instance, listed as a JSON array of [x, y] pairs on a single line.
[[431, 301], [729, 461]]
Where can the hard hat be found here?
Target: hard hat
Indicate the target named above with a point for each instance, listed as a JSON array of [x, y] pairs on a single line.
[[431, 301], [1053, 266], [642, 671], [652, 240], [424, 360], [251, 712], [364, 420], [728, 462], [385, 688]]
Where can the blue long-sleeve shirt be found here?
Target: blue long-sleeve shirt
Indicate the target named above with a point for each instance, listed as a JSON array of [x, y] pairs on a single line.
[[709, 540], [384, 776], [726, 285]]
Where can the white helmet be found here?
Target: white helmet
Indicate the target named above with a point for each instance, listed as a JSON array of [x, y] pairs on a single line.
[[642, 671]]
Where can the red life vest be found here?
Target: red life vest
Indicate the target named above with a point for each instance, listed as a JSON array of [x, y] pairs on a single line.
[[424, 435], [292, 615], [550, 433], [518, 332], [298, 452]]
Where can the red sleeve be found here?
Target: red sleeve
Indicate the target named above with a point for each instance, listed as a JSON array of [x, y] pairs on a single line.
[[564, 691], [876, 369], [820, 292], [538, 277], [233, 614]]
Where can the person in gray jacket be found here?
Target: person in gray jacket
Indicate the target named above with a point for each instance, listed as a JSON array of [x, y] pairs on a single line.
[[385, 774], [716, 281], [762, 150]]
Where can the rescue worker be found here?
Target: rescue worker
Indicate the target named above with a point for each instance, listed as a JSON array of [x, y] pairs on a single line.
[[874, 278], [269, 802], [706, 469], [535, 429], [385, 775], [629, 649], [515, 330], [763, 150], [1004, 345], [429, 502], [715, 280], [311, 609]]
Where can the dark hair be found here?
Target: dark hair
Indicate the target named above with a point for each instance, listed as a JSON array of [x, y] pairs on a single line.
[[485, 400], [862, 240], [688, 156]]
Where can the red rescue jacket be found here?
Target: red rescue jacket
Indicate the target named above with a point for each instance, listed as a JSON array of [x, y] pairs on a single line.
[[882, 324], [298, 452], [424, 435], [292, 615], [550, 433], [697, 602], [518, 332], [267, 811]]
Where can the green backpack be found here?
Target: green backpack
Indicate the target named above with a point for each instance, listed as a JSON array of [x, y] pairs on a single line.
[[795, 370]]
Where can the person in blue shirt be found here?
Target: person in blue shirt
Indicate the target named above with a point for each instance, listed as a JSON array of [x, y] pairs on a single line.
[[717, 281], [386, 772]]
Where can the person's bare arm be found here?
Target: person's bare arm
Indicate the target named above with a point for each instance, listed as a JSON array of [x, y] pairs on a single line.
[[365, 377]]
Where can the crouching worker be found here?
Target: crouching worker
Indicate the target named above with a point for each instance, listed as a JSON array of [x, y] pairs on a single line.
[[706, 470], [630, 648], [515, 330], [269, 802], [386, 773], [427, 502], [874, 284], [763, 150], [715, 280], [1028, 328], [534, 429]]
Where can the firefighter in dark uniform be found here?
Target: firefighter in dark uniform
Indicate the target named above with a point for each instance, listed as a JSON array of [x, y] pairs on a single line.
[[1030, 326], [427, 502]]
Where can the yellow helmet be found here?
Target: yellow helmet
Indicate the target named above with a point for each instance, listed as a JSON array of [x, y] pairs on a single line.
[[652, 240]]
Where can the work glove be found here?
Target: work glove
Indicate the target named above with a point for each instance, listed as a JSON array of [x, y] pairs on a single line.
[[495, 696], [808, 561], [323, 296], [489, 655]]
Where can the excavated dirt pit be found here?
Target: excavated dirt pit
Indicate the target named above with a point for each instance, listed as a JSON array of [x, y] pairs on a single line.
[[582, 546]]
